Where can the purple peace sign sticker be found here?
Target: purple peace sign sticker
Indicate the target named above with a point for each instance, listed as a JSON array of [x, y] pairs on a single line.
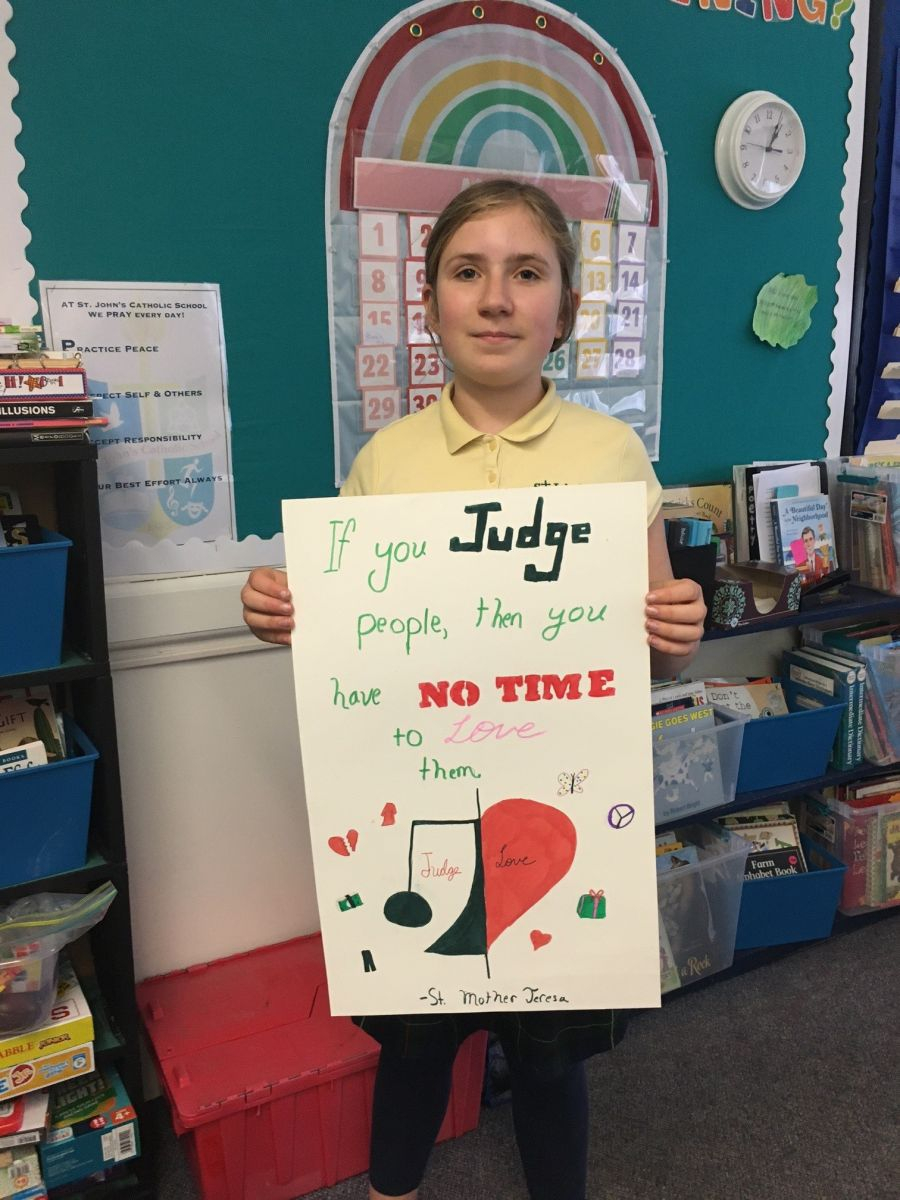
[[620, 815]]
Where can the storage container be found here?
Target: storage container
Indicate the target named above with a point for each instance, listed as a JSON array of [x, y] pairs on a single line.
[[27, 991], [32, 599], [699, 904], [777, 751], [697, 770], [868, 841], [273, 1093], [45, 813], [791, 908]]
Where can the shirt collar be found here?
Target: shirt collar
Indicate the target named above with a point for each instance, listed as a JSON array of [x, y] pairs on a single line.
[[459, 433]]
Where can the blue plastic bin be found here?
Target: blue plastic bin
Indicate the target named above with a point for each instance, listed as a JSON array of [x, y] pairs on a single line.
[[45, 813], [780, 750], [32, 599], [791, 908]]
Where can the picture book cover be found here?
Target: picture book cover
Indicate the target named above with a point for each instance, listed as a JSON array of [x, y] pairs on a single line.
[[750, 699], [804, 535], [771, 864], [27, 715], [687, 775]]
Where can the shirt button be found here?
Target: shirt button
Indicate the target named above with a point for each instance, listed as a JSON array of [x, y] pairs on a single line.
[[491, 443], [492, 476]]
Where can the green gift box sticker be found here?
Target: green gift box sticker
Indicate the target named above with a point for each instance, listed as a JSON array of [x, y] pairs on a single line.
[[592, 905], [349, 902], [782, 310]]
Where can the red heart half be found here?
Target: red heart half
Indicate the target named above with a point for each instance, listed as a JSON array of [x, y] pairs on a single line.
[[527, 848]]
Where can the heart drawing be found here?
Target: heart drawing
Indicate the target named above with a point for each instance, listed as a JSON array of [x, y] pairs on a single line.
[[344, 845], [527, 848], [539, 939]]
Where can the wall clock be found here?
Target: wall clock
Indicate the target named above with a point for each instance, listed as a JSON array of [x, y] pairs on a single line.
[[760, 149]]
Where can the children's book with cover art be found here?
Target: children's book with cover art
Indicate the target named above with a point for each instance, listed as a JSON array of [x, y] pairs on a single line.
[[804, 535], [27, 715], [687, 775]]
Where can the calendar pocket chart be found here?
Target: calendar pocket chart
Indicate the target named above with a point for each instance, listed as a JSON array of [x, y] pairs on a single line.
[[448, 95]]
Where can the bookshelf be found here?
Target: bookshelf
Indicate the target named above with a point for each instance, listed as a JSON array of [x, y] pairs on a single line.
[[59, 483]]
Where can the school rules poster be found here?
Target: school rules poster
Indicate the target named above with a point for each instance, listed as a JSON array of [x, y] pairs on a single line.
[[472, 682]]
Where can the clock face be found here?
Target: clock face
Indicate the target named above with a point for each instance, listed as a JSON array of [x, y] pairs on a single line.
[[760, 148], [771, 149]]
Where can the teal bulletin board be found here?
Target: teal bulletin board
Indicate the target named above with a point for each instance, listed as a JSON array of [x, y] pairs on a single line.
[[186, 142]]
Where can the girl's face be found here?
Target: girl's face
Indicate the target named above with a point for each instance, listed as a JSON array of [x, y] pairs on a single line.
[[496, 301]]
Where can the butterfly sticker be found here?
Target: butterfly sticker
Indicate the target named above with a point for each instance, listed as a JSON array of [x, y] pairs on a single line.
[[571, 781]]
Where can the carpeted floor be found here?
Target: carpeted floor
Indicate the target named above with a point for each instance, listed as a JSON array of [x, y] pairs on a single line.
[[781, 1082]]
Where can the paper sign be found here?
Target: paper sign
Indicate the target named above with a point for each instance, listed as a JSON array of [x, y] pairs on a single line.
[[155, 360], [472, 681], [783, 305]]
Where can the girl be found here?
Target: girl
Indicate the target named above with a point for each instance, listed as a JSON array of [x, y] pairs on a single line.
[[499, 298]]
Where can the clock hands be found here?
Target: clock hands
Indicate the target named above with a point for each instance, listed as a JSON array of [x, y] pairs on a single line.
[[760, 146], [775, 132]]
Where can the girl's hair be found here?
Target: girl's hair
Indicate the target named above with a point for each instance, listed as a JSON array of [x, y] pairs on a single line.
[[495, 194]]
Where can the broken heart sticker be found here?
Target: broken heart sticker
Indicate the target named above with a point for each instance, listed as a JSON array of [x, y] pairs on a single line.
[[344, 845]]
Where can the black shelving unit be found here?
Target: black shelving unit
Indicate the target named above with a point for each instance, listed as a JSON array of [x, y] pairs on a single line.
[[83, 683]]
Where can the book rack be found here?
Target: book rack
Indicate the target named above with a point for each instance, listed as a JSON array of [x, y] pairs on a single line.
[[59, 482]]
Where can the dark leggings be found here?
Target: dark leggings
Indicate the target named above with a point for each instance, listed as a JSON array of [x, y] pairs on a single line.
[[550, 1118]]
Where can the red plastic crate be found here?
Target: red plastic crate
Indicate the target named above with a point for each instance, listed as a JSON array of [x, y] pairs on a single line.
[[273, 1093]]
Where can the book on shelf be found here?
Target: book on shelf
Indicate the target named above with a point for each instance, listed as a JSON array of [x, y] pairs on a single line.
[[28, 715], [752, 698], [40, 382], [873, 508], [774, 838], [45, 410], [803, 535], [672, 697], [687, 774], [36, 435], [21, 758], [19, 529], [838, 682], [754, 487]]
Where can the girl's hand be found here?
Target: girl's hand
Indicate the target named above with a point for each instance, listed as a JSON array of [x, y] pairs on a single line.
[[675, 614], [267, 605]]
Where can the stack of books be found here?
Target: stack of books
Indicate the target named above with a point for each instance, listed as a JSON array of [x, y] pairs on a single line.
[[43, 393], [873, 649], [783, 515]]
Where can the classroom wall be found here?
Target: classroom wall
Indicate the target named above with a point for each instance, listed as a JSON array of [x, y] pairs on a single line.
[[186, 142]]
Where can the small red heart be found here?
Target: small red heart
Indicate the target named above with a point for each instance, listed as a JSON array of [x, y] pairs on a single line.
[[539, 939]]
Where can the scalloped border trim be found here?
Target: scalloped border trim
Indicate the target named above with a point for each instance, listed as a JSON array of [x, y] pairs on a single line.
[[16, 272], [194, 557], [846, 264]]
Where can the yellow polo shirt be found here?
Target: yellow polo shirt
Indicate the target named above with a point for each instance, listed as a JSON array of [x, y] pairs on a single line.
[[557, 442]]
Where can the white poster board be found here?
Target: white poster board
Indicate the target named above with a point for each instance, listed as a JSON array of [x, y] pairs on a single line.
[[476, 748], [154, 354]]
